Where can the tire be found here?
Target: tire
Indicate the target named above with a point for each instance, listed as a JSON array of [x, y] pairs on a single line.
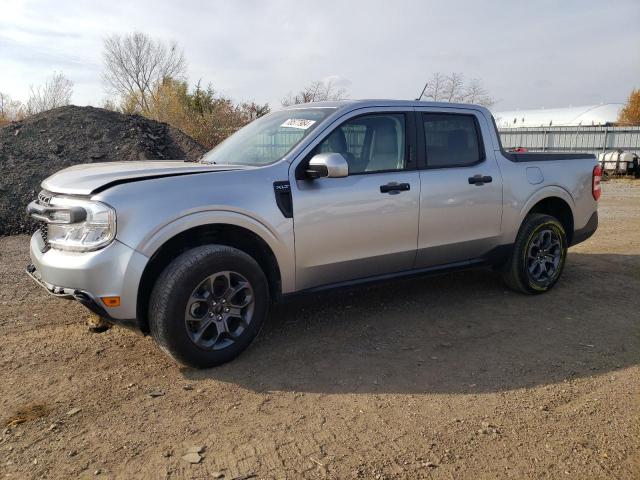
[[194, 314], [535, 265]]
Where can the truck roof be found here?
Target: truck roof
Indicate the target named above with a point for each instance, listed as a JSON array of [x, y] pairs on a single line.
[[373, 102]]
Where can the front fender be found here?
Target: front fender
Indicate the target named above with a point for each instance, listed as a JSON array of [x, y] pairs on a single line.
[[284, 254], [151, 212]]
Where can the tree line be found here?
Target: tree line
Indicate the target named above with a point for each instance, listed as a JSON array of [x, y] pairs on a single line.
[[56, 92], [148, 77]]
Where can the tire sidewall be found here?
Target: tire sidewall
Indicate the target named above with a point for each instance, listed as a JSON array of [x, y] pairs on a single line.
[[544, 223], [169, 322]]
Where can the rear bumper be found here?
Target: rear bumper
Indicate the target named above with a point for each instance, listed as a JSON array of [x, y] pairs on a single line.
[[584, 233], [87, 277]]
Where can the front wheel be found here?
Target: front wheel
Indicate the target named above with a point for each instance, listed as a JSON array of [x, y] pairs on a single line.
[[538, 255], [208, 305]]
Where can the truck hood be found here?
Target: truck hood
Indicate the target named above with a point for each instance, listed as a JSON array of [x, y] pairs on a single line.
[[91, 178]]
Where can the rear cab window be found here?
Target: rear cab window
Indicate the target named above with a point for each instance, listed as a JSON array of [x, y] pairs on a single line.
[[451, 140]]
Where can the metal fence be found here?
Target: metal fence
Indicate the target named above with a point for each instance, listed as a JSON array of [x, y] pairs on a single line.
[[572, 139]]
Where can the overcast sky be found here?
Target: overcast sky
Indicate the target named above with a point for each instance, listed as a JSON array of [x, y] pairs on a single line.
[[529, 54]]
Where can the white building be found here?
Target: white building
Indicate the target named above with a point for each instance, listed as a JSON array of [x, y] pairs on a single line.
[[604, 114]]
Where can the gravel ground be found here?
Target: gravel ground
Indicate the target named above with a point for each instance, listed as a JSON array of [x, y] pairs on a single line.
[[446, 377]]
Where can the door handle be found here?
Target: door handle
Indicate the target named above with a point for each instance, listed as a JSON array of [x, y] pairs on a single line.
[[480, 180], [394, 188]]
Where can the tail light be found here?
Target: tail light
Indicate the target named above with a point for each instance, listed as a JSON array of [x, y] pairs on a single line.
[[596, 189]]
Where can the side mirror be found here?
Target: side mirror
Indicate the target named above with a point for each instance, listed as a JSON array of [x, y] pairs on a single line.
[[330, 165]]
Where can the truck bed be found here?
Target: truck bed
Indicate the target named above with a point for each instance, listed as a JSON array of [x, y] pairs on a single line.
[[546, 156]]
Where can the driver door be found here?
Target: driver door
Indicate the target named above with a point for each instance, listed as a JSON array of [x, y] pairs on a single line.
[[365, 224]]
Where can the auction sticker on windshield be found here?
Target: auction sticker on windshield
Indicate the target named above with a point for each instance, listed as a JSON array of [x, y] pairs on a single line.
[[302, 123]]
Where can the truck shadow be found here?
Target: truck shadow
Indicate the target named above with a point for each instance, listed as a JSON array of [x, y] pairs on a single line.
[[455, 333]]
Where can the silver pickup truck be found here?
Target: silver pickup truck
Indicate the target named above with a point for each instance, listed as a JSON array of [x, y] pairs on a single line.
[[313, 197]]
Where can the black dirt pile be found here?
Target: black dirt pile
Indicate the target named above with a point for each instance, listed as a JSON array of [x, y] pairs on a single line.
[[39, 146]]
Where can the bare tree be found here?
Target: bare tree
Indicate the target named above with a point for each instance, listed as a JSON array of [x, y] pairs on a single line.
[[317, 91], [5, 103], [434, 88], [56, 92], [110, 104], [135, 65], [476, 93], [254, 110], [454, 88], [10, 110]]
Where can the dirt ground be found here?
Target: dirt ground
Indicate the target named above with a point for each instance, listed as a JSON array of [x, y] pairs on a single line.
[[445, 377]]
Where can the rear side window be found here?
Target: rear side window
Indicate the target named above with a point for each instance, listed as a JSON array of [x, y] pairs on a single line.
[[451, 140]]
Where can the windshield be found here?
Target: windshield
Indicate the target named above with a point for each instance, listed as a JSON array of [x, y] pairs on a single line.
[[267, 139]]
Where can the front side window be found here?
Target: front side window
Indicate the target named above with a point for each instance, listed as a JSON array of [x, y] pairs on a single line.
[[451, 140], [369, 143], [267, 139]]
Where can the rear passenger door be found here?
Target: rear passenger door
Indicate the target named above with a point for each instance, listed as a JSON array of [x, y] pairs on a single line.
[[461, 194]]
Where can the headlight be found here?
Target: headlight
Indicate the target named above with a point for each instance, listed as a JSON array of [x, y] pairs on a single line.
[[80, 225]]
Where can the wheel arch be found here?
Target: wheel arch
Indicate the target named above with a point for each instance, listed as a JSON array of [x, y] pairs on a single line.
[[230, 234], [556, 202]]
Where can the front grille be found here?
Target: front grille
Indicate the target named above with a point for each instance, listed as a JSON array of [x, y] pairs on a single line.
[[44, 233], [44, 198]]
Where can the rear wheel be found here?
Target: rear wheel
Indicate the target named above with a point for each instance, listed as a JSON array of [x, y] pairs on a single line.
[[538, 256], [208, 305]]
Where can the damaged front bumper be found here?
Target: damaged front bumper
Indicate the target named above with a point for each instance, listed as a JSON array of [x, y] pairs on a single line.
[[90, 276], [85, 298]]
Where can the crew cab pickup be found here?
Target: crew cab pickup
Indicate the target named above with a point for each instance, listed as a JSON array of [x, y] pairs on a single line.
[[312, 197]]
